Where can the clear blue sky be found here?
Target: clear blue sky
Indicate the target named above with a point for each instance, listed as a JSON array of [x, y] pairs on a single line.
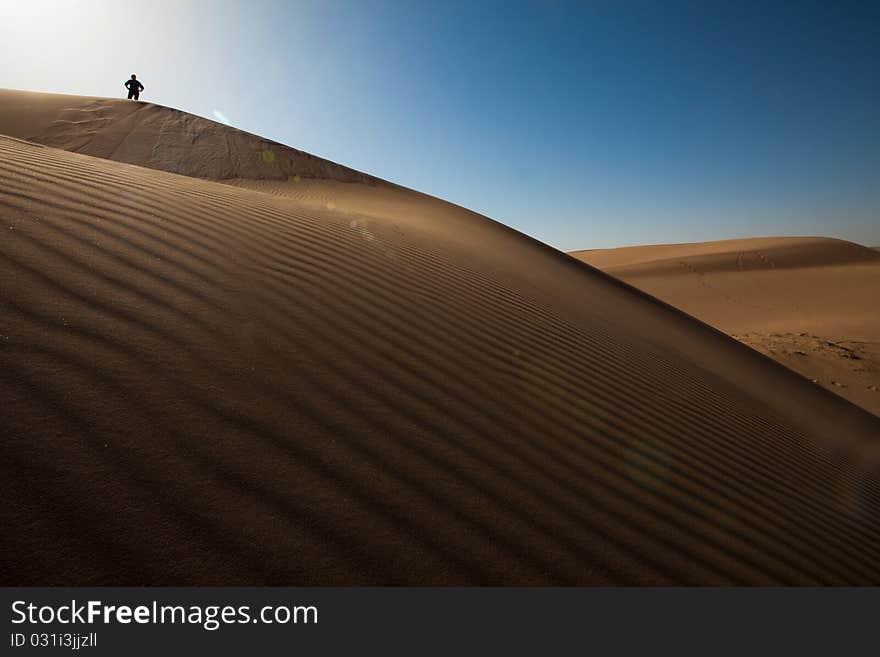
[[584, 124]]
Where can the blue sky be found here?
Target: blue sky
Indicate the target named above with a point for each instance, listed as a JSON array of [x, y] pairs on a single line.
[[584, 124]]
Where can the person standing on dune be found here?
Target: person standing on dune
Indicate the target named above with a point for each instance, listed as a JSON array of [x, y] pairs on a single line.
[[134, 87]]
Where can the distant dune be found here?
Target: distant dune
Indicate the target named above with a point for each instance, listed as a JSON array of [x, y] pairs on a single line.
[[305, 375], [808, 302]]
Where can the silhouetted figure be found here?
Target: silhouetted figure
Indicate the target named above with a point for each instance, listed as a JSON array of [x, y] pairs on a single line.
[[134, 87]]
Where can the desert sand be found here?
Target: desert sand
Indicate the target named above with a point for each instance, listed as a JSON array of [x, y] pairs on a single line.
[[808, 302], [225, 361]]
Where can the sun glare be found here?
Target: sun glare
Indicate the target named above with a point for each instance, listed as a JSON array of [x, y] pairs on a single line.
[[31, 17], [36, 8]]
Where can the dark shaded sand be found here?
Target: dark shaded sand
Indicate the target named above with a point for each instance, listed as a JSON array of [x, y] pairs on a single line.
[[808, 302], [297, 380]]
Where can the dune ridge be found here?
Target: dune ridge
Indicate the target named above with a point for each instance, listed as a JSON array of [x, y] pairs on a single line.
[[158, 137], [327, 382], [759, 253]]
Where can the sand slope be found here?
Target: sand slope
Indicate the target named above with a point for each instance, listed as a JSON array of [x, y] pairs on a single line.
[[322, 382], [157, 137], [808, 302]]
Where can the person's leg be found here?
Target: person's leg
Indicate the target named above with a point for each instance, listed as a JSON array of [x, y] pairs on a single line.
[[137, 95], [131, 94]]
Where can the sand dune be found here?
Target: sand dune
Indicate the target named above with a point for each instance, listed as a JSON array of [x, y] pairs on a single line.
[[807, 302], [312, 381], [159, 138]]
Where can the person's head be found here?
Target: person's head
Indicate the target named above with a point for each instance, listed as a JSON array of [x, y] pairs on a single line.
[[133, 76]]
